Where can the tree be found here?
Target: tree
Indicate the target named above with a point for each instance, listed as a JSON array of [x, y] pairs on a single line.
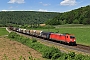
[[86, 21], [52, 22], [76, 21]]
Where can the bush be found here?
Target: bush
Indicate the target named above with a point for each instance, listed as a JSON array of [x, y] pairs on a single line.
[[18, 38], [79, 57], [76, 21], [50, 52], [13, 35], [56, 56], [34, 40], [64, 56], [52, 22], [71, 54]]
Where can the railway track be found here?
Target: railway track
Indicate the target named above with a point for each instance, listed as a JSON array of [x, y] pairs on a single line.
[[83, 46], [82, 49]]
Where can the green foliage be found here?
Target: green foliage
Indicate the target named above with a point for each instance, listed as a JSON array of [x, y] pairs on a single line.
[[47, 26], [76, 21], [86, 21], [64, 56], [34, 40], [62, 22], [71, 54], [75, 16], [53, 22], [13, 35], [24, 17], [50, 52], [20, 58], [56, 56], [79, 57], [43, 27]]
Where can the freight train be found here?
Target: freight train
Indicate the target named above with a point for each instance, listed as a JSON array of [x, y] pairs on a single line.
[[66, 38]]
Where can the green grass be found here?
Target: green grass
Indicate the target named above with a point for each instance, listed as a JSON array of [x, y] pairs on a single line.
[[3, 31], [73, 26]]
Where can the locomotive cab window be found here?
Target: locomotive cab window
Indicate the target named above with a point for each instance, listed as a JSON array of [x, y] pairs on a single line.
[[72, 37]]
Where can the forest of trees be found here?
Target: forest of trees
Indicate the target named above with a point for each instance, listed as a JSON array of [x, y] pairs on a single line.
[[24, 17], [77, 16]]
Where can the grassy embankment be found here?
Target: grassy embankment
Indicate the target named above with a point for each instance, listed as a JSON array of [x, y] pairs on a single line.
[[81, 32], [3, 31]]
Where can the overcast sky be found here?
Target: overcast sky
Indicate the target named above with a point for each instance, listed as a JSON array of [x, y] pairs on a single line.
[[42, 5]]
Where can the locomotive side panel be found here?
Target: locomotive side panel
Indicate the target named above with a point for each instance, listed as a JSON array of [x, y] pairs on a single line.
[[57, 37]]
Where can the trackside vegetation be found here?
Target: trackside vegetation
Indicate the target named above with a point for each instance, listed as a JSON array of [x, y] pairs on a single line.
[[47, 52]]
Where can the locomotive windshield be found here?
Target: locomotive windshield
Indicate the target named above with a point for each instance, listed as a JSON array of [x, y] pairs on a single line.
[[72, 37]]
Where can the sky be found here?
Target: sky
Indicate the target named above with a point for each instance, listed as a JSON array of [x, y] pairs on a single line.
[[42, 5]]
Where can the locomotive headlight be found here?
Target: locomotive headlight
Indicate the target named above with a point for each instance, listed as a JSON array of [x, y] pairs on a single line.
[[74, 40]]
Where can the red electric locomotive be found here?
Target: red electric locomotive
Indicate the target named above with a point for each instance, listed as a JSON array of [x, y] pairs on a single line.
[[67, 38]]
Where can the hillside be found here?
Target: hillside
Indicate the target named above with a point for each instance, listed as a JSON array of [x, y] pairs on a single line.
[[77, 16], [24, 17]]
